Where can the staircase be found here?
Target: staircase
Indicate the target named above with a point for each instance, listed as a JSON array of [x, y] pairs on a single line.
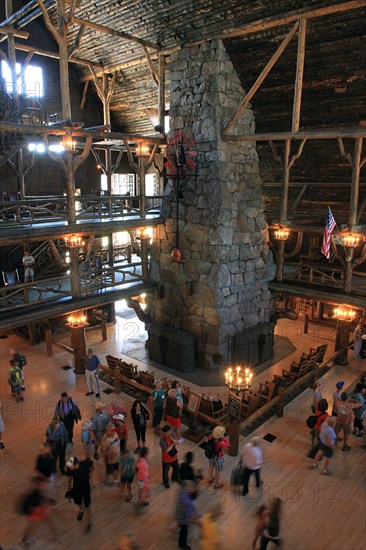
[[46, 265]]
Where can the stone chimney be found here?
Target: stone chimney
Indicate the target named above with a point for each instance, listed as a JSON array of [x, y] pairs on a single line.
[[220, 286]]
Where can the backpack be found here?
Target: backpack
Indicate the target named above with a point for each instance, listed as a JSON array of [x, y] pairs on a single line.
[[273, 527], [210, 448], [22, 360], [312, 420], [15, 377], [343, 415]]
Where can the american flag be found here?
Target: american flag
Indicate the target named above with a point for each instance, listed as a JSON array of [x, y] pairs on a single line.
[[330, 224]]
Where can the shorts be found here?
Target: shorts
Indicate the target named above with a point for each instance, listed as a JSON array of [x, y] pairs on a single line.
[[173, 422], [346, 428], [217, 463], [327, 451], [98, 437], [126, 479], [110, 468], [16, 388]]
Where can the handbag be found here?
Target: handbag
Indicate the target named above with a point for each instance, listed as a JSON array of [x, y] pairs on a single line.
[[173, 452], [237, 475]]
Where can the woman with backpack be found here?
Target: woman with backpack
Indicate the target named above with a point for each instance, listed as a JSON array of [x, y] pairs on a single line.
[[320, 415], [214, 451], [271, 531], [327, 442]]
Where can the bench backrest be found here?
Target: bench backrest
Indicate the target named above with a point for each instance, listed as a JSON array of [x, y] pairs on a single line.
[[112, 362]]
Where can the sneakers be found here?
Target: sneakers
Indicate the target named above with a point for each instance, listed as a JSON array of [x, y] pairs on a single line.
[[325, 473], [96, 456], [89, 393], [80, 515], [346, 448], [97, 395], [2, 446], [87, 528], [27, 543], [167, 485], [314, 465]]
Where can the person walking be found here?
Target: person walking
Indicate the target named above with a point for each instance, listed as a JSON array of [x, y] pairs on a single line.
[[216, 462], [327, 442], [157, 396], [21, 361], [317, 395], [186, 512], [92, 363], [112, 454], [128, 470], [345, 418], [87, 438], [359, 333], [271, 531], [57, 437], [261, 517], [337, 397], [100, 421], [140, 418], [251, 459], [321, 415], [172, 408], [360, 397], [15, 380], [169, 456], [210, 539], [68, 412], [118, 420], [78, 479], [46, 468], [142, 467], [28, 262], [2, 446]]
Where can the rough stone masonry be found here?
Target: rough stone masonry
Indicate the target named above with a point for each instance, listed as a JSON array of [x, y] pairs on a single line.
[[220, 287]]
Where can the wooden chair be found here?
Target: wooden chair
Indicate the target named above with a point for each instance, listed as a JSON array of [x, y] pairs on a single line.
[[250, 403], [147, 378], [128, 370], [319, 352], [11, 278], [206, 408], [112, 362], [265, 392]]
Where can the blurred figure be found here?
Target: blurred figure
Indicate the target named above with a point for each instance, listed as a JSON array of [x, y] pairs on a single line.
[[142, 467], [78, 487], [271, 531], [186, 512], [128, 470], [252, 460], [210, 539], [261, 516], [35, 507]]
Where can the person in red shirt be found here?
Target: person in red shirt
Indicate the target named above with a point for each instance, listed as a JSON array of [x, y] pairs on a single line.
[[321, 414], [169, 456], [217, 462]]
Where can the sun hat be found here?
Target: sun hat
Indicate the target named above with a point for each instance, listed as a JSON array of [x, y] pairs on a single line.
[[339, 385], [99, 405], [218, 432], [118, 416], [70, 461], [86, 424]]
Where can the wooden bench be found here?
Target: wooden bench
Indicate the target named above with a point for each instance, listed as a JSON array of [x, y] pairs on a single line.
[[147, 378], [265, 392], [112, 362], [206, 408], [250, 402], [128, 370]]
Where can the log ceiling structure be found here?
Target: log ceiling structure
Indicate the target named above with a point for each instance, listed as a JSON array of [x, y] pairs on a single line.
[[302, 65]]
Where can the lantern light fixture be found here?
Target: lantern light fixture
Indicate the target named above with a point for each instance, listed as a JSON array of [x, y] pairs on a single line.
[[77, 321], [74, 241], [344, 314], [350, 240], [236, 379], [281, 234]]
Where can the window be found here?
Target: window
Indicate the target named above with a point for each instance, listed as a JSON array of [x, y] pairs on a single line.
[[121, 184], [29, 84], [151, 181]]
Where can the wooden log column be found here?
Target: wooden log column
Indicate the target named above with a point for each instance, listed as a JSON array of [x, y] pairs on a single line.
[[341, 342], [79, 348], [234, 437]]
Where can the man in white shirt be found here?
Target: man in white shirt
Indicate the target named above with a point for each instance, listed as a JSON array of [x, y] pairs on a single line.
[[251, 459], [28, 264]]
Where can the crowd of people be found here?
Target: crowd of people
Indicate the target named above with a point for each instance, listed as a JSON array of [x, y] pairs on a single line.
[[105, 435]]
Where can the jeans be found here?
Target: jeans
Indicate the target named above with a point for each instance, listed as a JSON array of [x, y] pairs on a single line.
[[69, 425], [140, 433], [175, 474], [246, 476], [183, 535], [58, 452]]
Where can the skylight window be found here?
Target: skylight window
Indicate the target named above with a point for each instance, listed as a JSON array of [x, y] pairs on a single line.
[[29, 84]]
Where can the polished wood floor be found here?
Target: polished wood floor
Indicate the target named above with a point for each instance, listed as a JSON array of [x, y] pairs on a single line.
[[319, 513]]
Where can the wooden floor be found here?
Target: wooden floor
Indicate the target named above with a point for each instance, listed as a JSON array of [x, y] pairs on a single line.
[[320, 513]]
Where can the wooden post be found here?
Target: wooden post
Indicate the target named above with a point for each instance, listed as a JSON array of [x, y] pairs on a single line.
[[48, 339], [341, 342], [285, 180], [281, 402], [145, 259], [142, 188], [104, 330], [280, 256], [70, 186], [306, 323], [234, 437], [161, 91], [79, 348], [74, 270], [299, 76], [355, 183], [348, 269], [117, 385]]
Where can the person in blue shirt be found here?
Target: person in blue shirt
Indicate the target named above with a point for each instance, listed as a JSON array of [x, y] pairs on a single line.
[[92, 373]]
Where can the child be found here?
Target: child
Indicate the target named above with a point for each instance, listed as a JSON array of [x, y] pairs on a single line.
[[143, 478], [87, 438], [15, 380], [128, 468]]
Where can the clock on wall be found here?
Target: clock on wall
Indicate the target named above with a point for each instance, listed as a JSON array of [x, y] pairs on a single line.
[[181, 153]]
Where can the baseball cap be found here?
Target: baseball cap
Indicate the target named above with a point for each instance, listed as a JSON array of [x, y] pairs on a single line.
[[339, 385]]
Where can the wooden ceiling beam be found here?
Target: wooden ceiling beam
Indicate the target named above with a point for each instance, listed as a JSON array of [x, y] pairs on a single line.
[[9, 31], [326, 133], [35, 129], [54, 55], [112, 32]]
